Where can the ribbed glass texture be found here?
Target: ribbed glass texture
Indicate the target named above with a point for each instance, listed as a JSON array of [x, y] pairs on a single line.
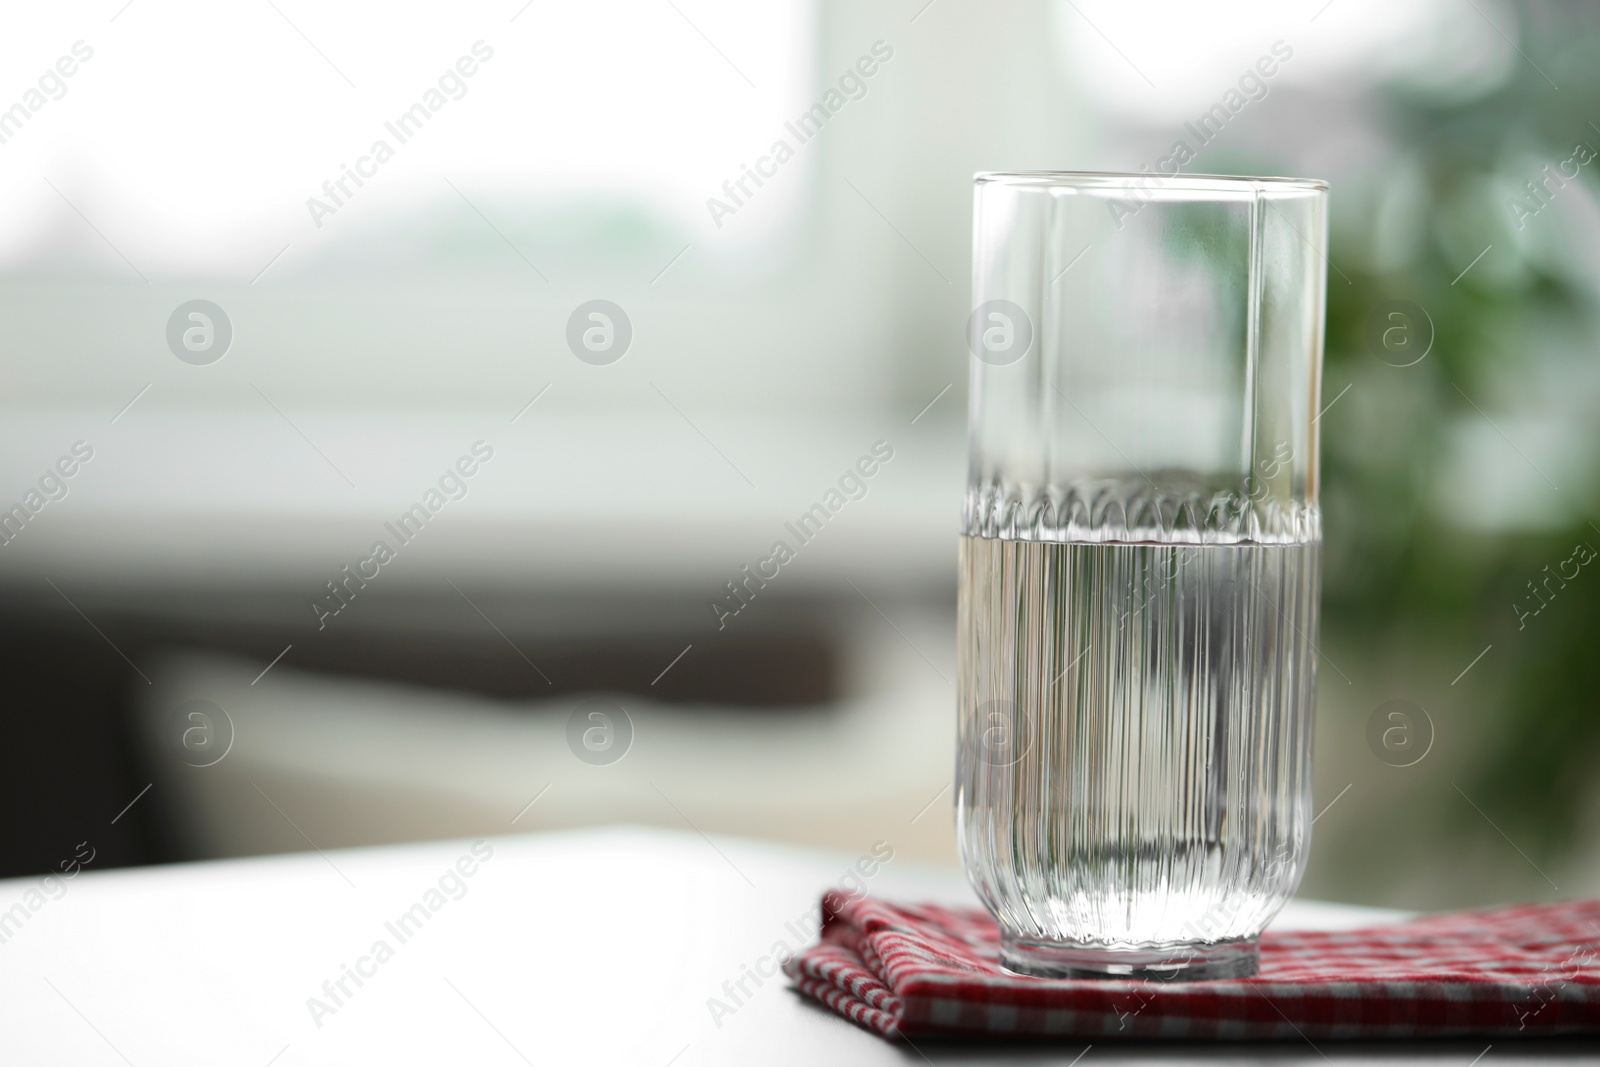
[[1140, 565], [1136, 742]]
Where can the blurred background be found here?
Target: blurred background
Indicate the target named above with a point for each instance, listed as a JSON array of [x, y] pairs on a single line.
[[397, 218]]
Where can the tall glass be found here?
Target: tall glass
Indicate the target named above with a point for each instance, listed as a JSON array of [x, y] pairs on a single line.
[[1140, 566]]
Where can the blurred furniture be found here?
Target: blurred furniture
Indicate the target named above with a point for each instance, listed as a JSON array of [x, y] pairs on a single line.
[[418, 710], [836, 734]]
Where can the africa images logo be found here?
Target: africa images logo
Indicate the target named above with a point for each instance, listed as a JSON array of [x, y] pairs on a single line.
[[199, 332]]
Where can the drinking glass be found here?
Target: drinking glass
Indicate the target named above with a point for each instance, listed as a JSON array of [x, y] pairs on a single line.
[[1140, 566]]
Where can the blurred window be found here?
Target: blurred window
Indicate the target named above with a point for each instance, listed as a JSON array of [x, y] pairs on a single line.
[[195, 136]]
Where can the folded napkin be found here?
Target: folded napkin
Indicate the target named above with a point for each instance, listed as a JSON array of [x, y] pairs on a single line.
[[924, 970]]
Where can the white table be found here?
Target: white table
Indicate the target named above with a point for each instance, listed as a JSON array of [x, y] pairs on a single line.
[[595, 947]]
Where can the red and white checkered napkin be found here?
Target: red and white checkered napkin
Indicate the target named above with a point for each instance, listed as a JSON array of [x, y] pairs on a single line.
[[924, 970]]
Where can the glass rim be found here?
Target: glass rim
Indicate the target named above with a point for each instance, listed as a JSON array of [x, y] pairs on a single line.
[[1104, 179]]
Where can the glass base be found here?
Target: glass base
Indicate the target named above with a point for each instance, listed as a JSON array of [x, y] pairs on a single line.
[[1179, 963]]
